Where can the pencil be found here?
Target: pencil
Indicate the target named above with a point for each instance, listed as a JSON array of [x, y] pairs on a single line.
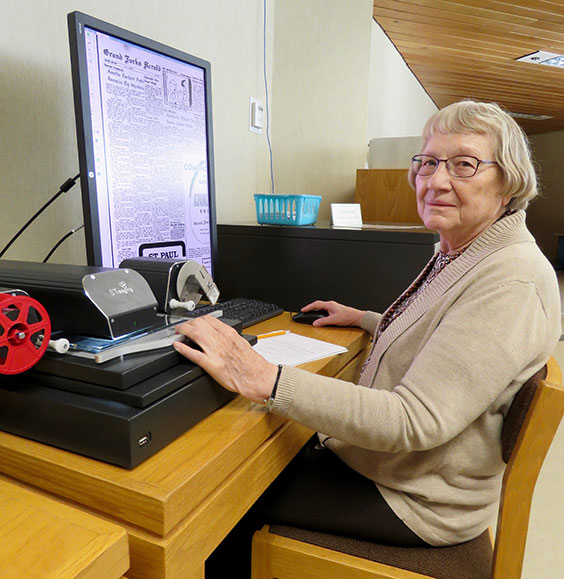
[[272, 334]]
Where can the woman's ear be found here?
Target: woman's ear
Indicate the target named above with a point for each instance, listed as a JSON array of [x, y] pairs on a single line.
[[506, 200]]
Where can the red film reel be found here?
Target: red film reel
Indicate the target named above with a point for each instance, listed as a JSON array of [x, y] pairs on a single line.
[[25, 330]]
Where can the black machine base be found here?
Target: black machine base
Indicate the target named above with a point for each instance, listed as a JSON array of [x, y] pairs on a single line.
[[104, 429], [122, 411]]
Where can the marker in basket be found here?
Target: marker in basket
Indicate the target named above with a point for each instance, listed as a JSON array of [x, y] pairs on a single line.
[[272, 334]]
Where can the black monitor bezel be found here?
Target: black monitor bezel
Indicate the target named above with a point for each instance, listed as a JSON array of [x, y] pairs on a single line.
[[76, 23]]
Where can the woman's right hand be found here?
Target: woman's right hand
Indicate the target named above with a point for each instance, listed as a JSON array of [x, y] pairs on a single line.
[[339, 315]]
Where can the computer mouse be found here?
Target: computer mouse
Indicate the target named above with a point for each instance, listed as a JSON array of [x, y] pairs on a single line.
[[309, 317]]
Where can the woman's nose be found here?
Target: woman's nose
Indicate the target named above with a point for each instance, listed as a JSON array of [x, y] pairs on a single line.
[[441, 177]]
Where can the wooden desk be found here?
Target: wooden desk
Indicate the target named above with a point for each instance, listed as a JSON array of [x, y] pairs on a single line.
[[40, 537], [179, 504]]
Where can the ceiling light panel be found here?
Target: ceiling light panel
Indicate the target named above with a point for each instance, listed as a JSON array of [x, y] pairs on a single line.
[[543, 57]]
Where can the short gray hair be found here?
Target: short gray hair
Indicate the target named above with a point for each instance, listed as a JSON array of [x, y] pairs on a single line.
[[511, 145]]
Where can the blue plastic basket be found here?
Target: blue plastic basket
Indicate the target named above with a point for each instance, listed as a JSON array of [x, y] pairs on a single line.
[[287, 209]]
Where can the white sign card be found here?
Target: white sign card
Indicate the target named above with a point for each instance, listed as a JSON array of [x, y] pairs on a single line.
[[346, 215]]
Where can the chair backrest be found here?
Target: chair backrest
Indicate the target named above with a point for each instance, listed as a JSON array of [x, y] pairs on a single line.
[[530, 426]]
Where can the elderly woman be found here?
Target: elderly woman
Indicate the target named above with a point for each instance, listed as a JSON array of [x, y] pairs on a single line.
[[414, 448]]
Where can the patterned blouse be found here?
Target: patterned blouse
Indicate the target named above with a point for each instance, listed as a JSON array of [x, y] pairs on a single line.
[[431, 271]]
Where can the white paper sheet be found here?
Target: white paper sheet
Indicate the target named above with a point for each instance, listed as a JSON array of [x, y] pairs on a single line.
[[292, 349]]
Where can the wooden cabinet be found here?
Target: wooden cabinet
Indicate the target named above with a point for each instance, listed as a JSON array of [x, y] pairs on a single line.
[[385, 195], [290, 266]]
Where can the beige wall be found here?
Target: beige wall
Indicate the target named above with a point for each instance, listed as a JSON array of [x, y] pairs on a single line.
[[334, 78], [319, 96], [317, 62], [545, 216], [398, 104], [37, 130]]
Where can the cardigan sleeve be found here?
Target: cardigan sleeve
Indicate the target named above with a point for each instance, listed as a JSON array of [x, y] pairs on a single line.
[[483, 341], [370, 322]]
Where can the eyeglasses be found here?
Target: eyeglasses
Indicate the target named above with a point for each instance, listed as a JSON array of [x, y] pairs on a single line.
[[461, 166]]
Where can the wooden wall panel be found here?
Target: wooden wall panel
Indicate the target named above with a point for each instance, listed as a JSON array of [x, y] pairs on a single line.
[[385, 195]]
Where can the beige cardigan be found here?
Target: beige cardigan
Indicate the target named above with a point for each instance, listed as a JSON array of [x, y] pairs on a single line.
[[425, 423]]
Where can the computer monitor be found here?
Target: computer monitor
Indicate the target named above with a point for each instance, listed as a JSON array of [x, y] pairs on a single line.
[[144, 127]]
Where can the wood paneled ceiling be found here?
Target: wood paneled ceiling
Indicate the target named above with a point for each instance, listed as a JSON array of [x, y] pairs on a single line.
[[467, 49]]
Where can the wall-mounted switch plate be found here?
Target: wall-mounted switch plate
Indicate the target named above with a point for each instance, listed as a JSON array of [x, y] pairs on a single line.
[[256, 116]]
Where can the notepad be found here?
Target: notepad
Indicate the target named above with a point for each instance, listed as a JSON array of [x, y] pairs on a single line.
[[293, 349]]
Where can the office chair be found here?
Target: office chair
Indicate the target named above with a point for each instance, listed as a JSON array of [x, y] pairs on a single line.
[[529, 427]]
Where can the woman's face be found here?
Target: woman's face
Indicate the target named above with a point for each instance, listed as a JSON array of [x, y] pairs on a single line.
[[459, 209]]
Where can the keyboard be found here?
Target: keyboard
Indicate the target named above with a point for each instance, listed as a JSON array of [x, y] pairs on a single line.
[[249, 311]]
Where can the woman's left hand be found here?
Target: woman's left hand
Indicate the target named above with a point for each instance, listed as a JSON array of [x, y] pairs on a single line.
[[227, 357]]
